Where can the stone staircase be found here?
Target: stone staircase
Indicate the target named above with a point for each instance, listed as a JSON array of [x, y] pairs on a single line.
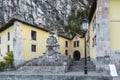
[[77, 66]]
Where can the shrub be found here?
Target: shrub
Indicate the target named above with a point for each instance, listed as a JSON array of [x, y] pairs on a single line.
[[2, 65], [8, 60]]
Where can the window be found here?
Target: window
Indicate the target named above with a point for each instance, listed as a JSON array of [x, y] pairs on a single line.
[[0, 51], [66, 43], [33, 48], [33, 35], [66, 52], [8, 36], [8, 48], [98, 27], [0, 40], [94, 24], [94, 41], [76, 43]]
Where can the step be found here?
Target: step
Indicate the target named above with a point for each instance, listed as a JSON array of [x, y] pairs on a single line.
[[79, 66]]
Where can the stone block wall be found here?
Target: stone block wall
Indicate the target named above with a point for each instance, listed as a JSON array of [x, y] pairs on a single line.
[[44, 69], [103, 32], [18, 44], [103, 28], [52, 77]]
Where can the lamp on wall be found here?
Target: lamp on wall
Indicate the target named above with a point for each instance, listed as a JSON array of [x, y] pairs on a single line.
[[84, 28]]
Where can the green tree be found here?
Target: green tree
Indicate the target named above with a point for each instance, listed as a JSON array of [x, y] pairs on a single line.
[[76, 16]]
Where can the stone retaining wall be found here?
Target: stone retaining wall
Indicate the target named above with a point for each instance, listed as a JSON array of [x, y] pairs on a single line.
[[46, 69], [52, 77]]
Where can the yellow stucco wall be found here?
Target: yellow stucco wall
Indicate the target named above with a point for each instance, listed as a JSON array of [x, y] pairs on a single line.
[[92, 34], [40, 42], [80, 48], [114, 24], [114, 10], [114, 27], [5, 42], [92, 53], [62, 42], [114, 36], [27, 42]]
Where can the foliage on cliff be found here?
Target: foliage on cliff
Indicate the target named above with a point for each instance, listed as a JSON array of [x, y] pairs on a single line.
[[74, 21]]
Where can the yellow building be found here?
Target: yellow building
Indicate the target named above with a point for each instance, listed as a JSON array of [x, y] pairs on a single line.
[[28, 41], [104, 30]]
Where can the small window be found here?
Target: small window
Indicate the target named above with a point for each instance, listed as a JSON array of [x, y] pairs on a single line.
[[33, 35], [0, 51], [74, 43], [66, 52], [8, 36], [0, 39], [33, 48], [8, 48], [77, 43], [66, 43], [95, 41]]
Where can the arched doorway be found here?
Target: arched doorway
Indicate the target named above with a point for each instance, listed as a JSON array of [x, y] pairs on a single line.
[[76, 55]]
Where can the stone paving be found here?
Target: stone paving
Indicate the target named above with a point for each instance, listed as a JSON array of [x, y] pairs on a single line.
[[14, 75], [79, 66]]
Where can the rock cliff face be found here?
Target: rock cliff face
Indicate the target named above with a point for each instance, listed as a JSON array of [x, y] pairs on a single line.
[[45, 12]]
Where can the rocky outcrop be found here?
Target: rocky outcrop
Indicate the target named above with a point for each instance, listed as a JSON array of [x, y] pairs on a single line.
[[36, 12]]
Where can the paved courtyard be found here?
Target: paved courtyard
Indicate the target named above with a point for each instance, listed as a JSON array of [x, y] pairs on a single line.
[[14, 75]]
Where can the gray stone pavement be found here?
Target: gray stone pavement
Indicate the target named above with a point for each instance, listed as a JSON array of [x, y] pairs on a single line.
[[92, 75], [67, 73]]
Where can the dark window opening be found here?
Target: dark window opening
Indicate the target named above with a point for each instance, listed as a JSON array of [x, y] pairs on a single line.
[[33, 48], [33, 35], [66, 43], [94, 43], [77, 43], [8, 36], [8, 48], [0, 51], [74, 43], [66, 52], [0, 40]]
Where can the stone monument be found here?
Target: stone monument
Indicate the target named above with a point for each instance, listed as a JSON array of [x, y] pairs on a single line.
[[51, 62]]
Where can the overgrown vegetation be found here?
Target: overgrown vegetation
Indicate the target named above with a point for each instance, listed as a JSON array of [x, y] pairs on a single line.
[[8, 62], [76, 16]]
